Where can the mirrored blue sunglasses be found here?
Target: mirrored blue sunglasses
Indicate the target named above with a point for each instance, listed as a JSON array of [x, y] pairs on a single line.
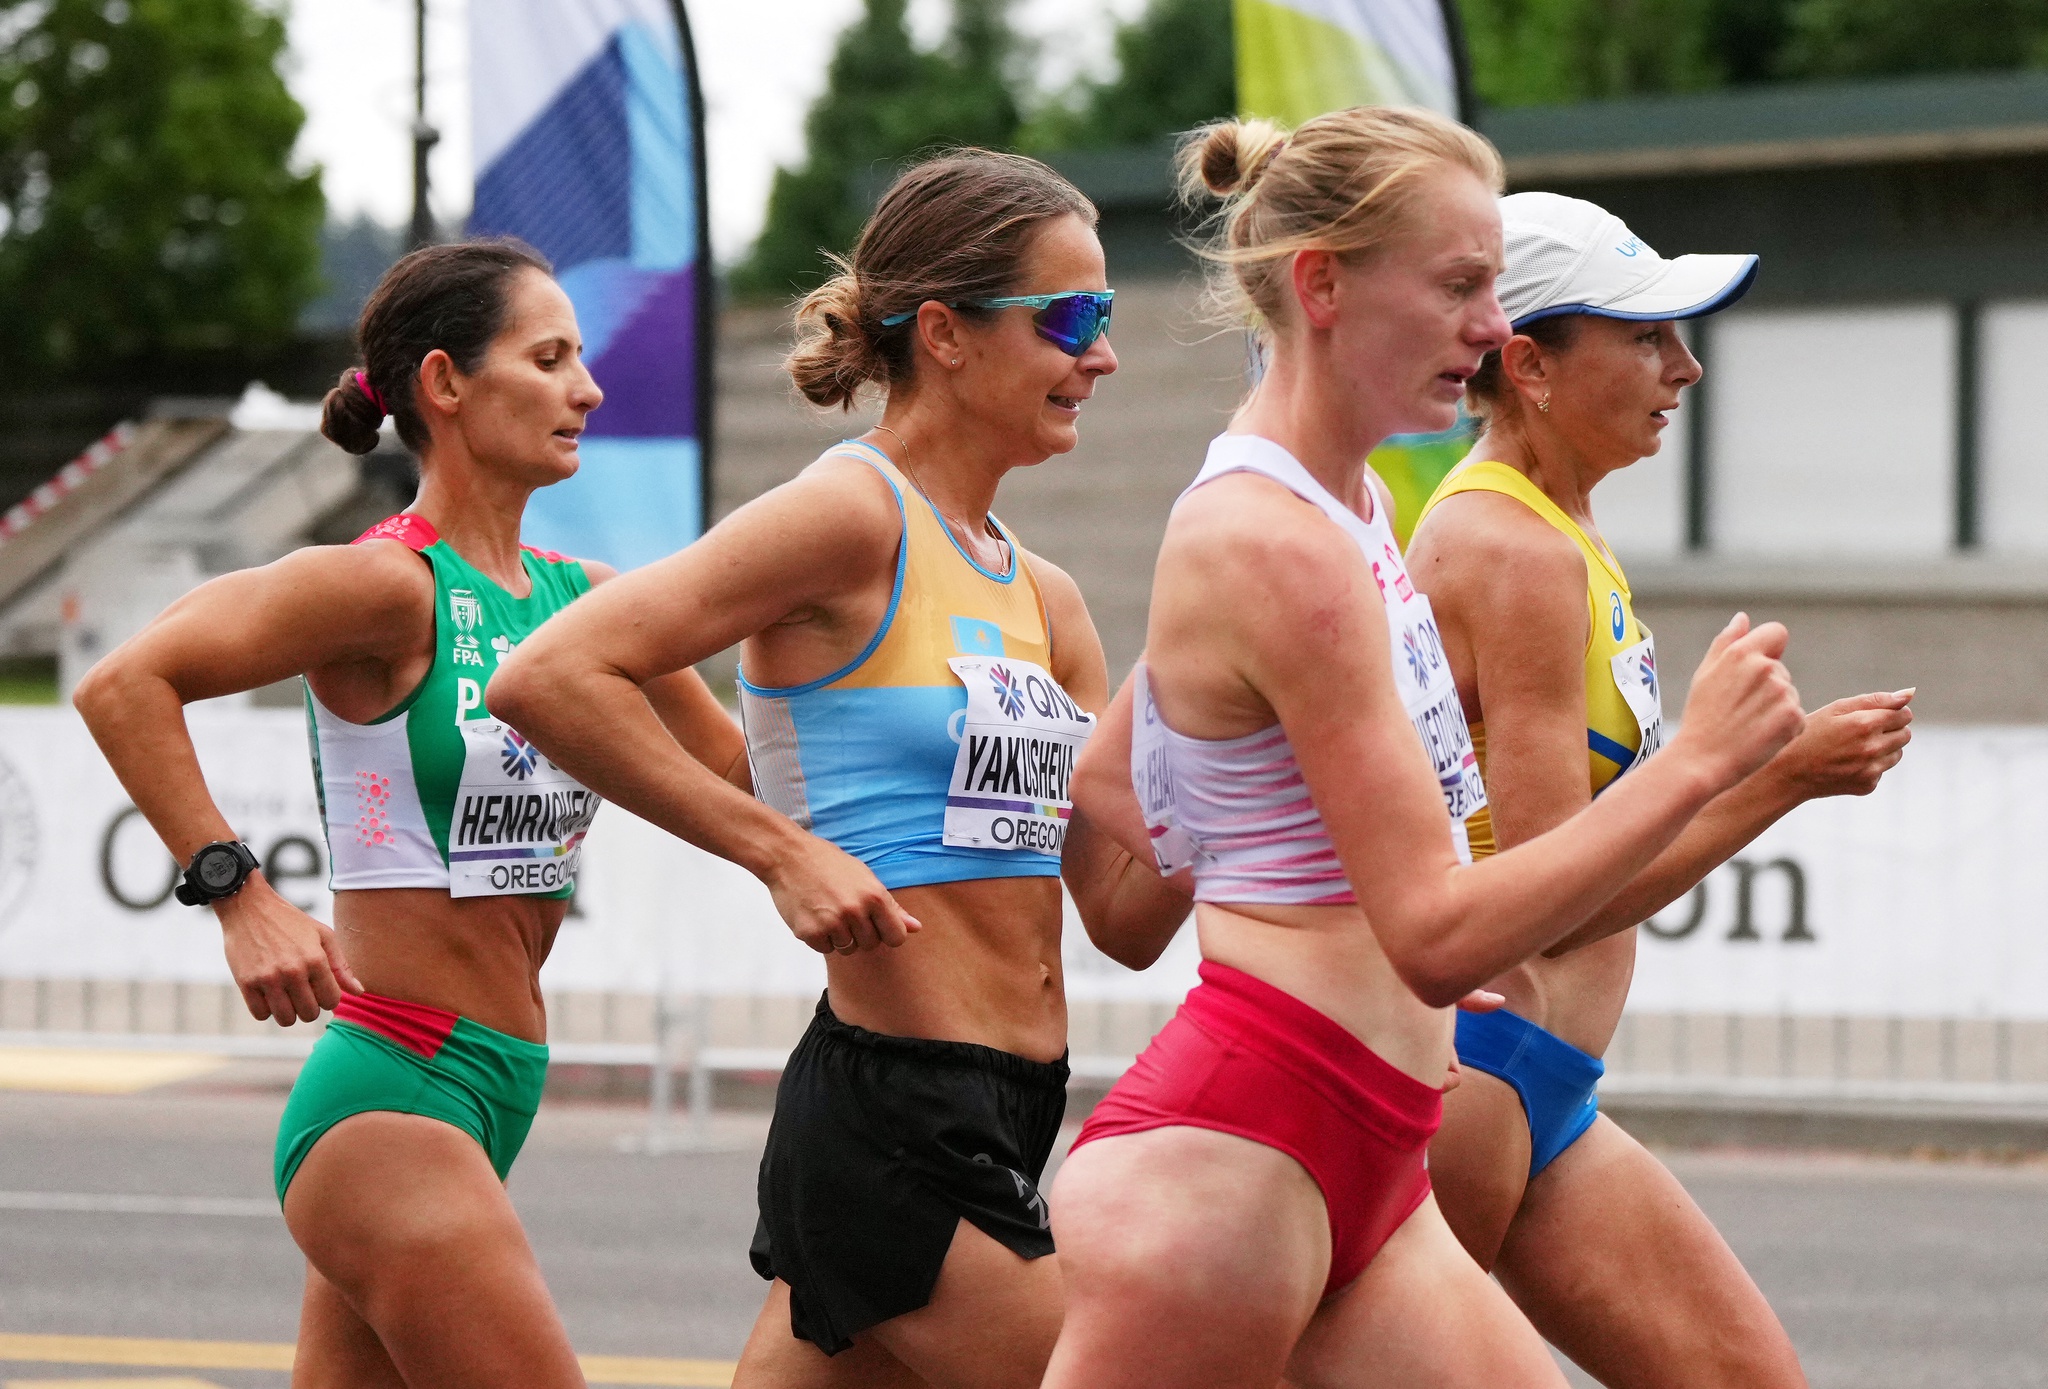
[[1070, 321]]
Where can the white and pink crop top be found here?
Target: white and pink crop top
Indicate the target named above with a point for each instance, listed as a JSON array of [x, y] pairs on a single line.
[[1238, 808]]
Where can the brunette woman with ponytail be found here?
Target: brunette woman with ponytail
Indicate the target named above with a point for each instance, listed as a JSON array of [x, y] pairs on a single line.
[[1252, 1199], [393, 1149], [914, 687]]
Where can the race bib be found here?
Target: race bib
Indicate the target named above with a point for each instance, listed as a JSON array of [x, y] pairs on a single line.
[[1012, 778], [1152, 779], [519, 819], [1635, 675], [1423, 673]]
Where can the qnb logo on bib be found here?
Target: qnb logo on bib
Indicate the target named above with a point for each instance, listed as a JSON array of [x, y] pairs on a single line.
[[1012, 777], [519, 756], [1009, 694], [518, 821]]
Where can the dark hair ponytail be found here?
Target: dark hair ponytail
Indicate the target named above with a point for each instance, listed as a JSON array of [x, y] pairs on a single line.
[[449, 297]]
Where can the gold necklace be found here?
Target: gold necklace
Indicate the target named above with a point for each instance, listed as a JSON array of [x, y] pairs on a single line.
[[1002, 543]]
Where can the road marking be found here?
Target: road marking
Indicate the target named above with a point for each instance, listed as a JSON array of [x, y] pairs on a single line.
[[181, 1382], [261, 1355], [91, 1202], [135, 1350], [83, 1072]]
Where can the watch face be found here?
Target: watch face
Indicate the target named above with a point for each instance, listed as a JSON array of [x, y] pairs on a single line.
[[218, 867]]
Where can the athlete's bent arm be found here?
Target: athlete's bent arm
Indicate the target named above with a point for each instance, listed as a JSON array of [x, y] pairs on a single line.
[[1447, 928], [1512, 591], [1130, 912], [688, 709], [1843, 750], [577, 688], [337, 607]]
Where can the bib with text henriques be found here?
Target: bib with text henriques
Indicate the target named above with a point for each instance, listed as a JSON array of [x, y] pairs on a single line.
[[1012, 780], [519, 820]]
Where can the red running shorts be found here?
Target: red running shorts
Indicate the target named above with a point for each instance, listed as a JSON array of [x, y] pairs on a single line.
[[1246, 1058]]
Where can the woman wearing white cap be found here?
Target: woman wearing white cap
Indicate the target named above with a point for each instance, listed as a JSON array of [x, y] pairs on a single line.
[[1588, 1232]]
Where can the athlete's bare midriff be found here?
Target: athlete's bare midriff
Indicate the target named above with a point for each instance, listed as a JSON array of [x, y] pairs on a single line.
[[1329, 958], [1577, 997], [985, 969], [479, 957]]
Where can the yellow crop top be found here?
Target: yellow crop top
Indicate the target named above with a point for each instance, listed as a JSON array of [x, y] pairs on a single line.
[[1624, 716]]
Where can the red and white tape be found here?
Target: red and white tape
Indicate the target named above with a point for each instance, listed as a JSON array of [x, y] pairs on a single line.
[[68, 480]]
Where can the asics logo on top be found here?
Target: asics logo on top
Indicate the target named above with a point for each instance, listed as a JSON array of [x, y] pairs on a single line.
[[520, 757], [1614, 612], [1009, 694]]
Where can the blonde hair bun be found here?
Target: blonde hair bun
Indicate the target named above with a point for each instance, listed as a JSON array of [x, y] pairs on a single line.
[[1227, 157]]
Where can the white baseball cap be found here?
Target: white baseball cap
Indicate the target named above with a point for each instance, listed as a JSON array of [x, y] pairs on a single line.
[[1566, 255]]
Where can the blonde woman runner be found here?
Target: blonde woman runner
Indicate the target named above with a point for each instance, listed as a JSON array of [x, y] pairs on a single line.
[[1251, 1199]]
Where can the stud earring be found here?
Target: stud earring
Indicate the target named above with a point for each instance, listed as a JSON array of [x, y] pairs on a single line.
[[956, 361], [1544, 404]]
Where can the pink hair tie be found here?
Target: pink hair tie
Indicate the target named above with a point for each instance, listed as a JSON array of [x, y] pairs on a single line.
[[376, 399]]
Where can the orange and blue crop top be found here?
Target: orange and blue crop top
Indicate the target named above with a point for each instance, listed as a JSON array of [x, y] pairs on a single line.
[[885, 758]]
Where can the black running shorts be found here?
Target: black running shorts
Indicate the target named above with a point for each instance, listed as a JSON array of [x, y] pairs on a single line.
[[880, 1147]]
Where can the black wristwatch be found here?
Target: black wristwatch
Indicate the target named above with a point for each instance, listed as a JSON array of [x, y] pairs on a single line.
[[216, 871]]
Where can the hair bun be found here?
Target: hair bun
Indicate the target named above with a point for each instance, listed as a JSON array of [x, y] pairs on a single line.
[[1229, 157], [352, 416]]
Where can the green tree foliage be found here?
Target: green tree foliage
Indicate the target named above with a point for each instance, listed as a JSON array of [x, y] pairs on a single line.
[[884, 100], [1539, 52], [1175, 68], [148, 207], [1860, 38]]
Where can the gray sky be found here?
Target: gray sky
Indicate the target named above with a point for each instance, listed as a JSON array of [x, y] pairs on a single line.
[[763, 62]]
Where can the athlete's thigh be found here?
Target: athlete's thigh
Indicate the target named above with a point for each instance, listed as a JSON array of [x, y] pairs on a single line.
[[991, 1321], [337, 1349], [1422, 1316], [404, 1216], [1617, 1266], [1191, 1258], [777, 1358], [1479, 1161]]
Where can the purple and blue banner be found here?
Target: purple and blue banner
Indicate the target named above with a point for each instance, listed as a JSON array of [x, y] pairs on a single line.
[[589, 140]]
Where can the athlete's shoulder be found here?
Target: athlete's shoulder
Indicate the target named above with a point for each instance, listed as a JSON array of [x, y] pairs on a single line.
[[1494, 538], [1250, 520], [377, 581], [837, 519]]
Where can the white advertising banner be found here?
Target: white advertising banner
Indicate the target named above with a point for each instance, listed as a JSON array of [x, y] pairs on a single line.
[[85, 886], [1917, 901]]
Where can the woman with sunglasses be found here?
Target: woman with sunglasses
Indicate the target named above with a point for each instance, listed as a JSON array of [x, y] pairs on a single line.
[[1590, 1234], [915, 689], [1252, 1198]]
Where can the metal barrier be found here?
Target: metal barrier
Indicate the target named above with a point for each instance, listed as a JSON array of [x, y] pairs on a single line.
[[1978, 1061]]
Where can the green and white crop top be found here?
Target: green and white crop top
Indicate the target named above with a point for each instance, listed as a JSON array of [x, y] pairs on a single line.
[[437, 793]]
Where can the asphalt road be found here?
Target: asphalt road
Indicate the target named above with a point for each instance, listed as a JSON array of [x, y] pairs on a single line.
[[1889, 1274]]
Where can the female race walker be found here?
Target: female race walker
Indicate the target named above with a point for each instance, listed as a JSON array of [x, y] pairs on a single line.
[[1587, 1231], [1251, 1199], [915, 689], [453, 844]]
